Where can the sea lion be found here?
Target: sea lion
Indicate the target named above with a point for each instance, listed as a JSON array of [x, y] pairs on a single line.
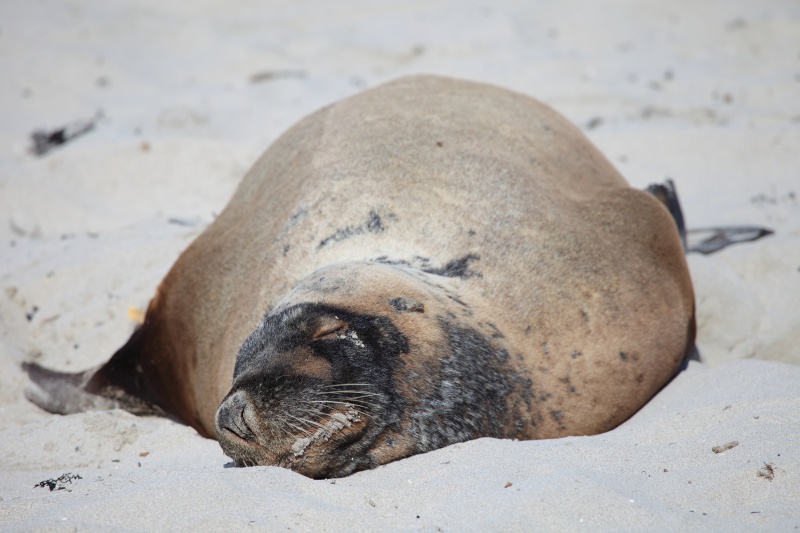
[[427, 262]]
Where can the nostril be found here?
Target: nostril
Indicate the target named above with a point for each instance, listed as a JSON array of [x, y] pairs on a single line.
[[231, 415], [243, 423]]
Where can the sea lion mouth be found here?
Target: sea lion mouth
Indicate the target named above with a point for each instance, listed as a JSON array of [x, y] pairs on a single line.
[[329, 445], [246, 452], [333, 449], [337, 422]]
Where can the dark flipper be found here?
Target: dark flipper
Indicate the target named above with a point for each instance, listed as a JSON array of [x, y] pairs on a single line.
[[118, 384], [711, 239], [714, 239], [668, 196], [693, 355], [63, 393]]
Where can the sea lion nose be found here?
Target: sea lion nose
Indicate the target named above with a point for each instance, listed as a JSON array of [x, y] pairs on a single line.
[[231, 416]]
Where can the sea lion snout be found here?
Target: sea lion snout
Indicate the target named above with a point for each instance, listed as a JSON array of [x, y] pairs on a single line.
[[303, 424], [232, 417], [312, 390]]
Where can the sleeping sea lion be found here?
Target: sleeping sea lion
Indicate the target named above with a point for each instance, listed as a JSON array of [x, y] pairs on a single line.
[[427, 262]]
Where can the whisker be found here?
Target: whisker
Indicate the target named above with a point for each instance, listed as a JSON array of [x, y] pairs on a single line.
[[307, 421], [362, 404], [298, 428], [351, 408], [362, 394], [355, 400], [335, 385], [280, 425], [361, 397], [337, 402], [314, 412]]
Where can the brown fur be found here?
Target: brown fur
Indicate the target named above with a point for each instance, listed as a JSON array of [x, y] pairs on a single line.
[[581, 279]]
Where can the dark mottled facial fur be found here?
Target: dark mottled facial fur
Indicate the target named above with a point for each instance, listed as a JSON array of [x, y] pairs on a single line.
[[316, 389], [288, 405], [471, 398]]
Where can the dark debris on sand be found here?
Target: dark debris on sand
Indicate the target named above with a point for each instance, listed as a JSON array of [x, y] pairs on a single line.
[[46, 140], [57, 484]]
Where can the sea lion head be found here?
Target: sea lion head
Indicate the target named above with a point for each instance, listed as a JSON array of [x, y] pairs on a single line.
[[315, 386]]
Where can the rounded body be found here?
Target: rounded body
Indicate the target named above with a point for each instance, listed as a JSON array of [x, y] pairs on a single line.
[[438, 260]]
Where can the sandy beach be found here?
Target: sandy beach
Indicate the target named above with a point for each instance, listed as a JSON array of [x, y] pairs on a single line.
[[185, 97]]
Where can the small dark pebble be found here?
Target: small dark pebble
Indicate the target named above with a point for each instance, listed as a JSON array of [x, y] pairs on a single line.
[[594, 122]]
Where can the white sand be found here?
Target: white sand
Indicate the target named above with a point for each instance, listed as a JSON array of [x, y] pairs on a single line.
[[707, 93]]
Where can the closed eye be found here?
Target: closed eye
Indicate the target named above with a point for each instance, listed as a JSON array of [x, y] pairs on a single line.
[[330, 331]]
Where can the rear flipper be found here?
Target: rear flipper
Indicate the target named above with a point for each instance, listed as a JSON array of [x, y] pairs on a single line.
[[715, 238], [117, 384], [668, 196], [63, 393]]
